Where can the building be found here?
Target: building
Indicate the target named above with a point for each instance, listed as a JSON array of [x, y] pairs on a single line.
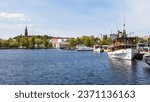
[[59, 42], [146, 38], [113, 36], [63, 45], [26, 31]]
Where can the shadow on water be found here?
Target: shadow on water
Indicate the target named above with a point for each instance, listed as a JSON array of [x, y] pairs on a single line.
[[129, 72]]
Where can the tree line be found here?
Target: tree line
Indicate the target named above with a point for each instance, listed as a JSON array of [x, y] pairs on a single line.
[[31, 42], [90, 41], [26, 42]]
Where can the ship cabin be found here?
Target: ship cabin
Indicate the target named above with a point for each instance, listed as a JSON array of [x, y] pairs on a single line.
[[123, 43]]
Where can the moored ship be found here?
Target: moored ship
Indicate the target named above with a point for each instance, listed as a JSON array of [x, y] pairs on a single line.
[[123, 47]]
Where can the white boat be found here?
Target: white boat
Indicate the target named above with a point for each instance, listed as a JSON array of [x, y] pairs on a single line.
[[97, 49], [143, 48], [83, 48], [146, 58], [123, 53], [123, 47]]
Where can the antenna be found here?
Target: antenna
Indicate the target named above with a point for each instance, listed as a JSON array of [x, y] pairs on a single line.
[[124, 29], [124, 25], [117, 27]]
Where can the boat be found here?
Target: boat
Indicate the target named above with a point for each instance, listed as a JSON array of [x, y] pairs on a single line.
[[128, 53], [143, 48], [123, 47], [146, 58], [98, 49], [83, 48]]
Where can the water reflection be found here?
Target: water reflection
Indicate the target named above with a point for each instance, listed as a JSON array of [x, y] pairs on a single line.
[[129, 72]]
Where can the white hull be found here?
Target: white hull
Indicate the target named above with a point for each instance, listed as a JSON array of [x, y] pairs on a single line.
[[98, 50], [123, 54], [85, 49]]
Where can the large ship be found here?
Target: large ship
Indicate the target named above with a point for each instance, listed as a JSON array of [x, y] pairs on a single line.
[[123, 47]]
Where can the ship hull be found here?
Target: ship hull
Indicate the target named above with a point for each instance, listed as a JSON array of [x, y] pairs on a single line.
[[128, 54]]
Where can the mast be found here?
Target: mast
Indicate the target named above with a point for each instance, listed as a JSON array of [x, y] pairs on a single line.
[[124, 29]]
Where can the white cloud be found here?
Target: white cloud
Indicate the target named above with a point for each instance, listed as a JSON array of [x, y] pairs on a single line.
[[14, 16]]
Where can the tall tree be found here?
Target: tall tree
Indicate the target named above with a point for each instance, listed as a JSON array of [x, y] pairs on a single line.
[[5, 43], [24, 42], [45, 42], [38, 42], [105, 37], [71, 42], [13, 43], [31, 42], [92, 40], [0, 43], [77, 40], [87, 42], [82, 39]]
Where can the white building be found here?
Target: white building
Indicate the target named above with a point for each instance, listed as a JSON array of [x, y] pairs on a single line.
[[59, 42]]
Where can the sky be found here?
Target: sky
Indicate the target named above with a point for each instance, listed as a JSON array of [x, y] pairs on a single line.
[[73, 18]]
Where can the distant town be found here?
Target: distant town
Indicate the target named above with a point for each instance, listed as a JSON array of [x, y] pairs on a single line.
[[26, 41]]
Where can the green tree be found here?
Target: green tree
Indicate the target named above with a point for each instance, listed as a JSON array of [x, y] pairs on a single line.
[[97, 41], [24, 42], [87, 42], [0, 43], [5, 43], [46, 37], [21, 42], [72, 42], [82, 39], [106, 41], [38, 42], [138, 39], [31, 42], [13, 43], [77, 40], [92, 40], [50, 45], [105, 37], [46, 43]]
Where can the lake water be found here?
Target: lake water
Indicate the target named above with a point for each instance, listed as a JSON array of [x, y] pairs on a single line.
[[61, 67]]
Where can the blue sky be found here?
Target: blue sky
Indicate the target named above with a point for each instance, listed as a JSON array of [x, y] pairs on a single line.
[[72, 18]]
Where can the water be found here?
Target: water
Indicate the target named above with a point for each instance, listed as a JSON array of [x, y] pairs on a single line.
[[61, 67]]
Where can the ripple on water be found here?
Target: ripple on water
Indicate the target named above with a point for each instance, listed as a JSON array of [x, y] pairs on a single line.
[[55, 67]]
